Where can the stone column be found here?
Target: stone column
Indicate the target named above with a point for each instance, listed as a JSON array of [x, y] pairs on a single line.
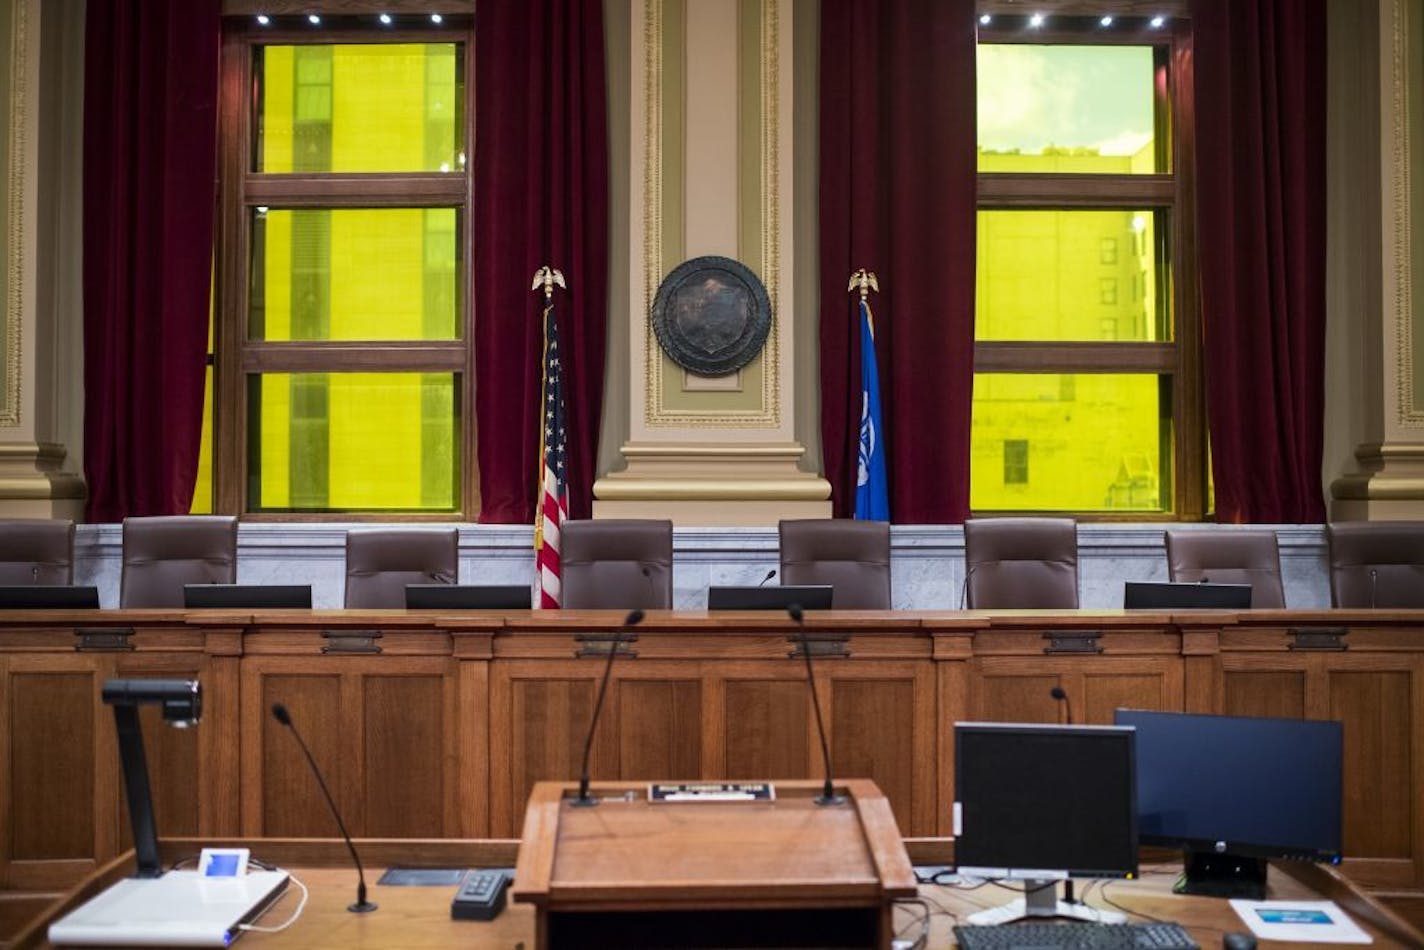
[[710, 172], [1376, 269], [41, 366]]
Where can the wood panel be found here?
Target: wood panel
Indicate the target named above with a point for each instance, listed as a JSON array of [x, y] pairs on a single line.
[[768, 729], [659, 729], [445, 732], [872, 726], [1264, 693], [290, 803], [52, 765], [404, 769], [1002, 695], [1149, 684], [1379, 811], [179, 760], [538, 727]]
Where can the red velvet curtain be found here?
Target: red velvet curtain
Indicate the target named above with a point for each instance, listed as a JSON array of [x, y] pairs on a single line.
[[898, 198], [1260, 108], [541, 197], [150, 169]]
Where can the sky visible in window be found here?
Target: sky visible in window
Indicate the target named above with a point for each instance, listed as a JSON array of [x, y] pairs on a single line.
[[1067, 97]]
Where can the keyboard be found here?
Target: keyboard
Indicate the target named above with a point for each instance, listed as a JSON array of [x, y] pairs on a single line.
[[1075, 936]]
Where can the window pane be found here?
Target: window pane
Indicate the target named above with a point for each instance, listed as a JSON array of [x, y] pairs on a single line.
[[203, 485], [353, 442], [354, 274], [360, 108], [1085, 442], [1087, 109], [1072, 275]]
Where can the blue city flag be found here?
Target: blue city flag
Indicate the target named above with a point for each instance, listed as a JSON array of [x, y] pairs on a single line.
[[872, 491]]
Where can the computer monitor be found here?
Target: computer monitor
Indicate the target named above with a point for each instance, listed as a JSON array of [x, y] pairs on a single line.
[[753, 597], [1231, 791], [1140, 595], [48, 597], [248, 596], [468, 597], [1043, 803]]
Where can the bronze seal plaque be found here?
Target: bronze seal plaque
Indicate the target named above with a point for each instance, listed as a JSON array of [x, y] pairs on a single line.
[[711, 315]]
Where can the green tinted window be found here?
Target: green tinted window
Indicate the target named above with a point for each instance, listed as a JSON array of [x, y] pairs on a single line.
[[360, 108], [353, 441], [357, 274], [1083, 442], [1081, 109], [1071, 275], [203, 484]]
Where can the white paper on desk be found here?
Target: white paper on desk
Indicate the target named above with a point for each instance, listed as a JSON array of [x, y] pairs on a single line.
[[1304, 921]]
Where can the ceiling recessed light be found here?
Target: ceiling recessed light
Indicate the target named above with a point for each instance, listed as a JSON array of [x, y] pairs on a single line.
[[436, 18], [1106, 21], [1156, 22], [385, 19], [313, 19], [986, 19], [1036, 20], [263, 19]]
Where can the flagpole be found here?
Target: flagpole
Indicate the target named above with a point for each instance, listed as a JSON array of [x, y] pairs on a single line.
[[871, 485], [546, 277]]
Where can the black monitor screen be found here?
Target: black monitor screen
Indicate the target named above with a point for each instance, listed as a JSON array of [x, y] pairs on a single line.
[[1041, 801], [1249, 786]]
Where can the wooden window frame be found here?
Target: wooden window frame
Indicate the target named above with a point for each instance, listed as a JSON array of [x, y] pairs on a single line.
[[241, 189], [1180, 359]]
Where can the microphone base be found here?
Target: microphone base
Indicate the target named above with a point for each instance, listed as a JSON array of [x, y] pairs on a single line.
[[583, 802], [361, 907], [830, 800]]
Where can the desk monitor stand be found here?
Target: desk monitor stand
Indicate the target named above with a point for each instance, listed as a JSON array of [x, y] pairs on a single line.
[[1040, 900]]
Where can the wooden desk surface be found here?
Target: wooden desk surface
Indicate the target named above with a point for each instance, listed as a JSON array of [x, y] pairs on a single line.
[[419, 917]]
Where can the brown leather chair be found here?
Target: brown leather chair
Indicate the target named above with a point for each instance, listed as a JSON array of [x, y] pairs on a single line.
[[162, 554], [1376, 563], [380, 562], [851, 556], [616, 564], [1229, 557], [36, 551], [1028, 563]]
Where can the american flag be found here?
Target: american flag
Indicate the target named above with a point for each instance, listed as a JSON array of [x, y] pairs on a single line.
[[553, 476]]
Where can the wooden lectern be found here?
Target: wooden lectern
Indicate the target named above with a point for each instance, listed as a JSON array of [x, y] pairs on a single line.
[[630, 872]]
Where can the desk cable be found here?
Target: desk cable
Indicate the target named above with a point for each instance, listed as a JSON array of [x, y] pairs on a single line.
[[923, 921], [301, 905]]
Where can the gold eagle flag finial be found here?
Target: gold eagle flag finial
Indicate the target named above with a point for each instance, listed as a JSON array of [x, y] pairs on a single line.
[[865, 281], [547, 277]]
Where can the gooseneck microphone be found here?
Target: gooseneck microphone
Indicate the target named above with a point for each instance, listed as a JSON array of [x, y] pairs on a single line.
[[769, 575], [828, 794], [634, 618], [1374, 585], [362, 906], [964, 588]]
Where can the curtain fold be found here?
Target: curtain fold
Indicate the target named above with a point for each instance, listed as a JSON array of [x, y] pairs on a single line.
[[897, 196], [541, 197], [1260, 133], [150, 185]]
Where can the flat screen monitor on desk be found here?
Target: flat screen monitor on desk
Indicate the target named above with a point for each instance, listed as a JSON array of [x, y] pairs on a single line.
[[1040, 804], [248, 596], [752, 597], [48, 597], [1143, 595], [1231, 791], [468, 597]]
